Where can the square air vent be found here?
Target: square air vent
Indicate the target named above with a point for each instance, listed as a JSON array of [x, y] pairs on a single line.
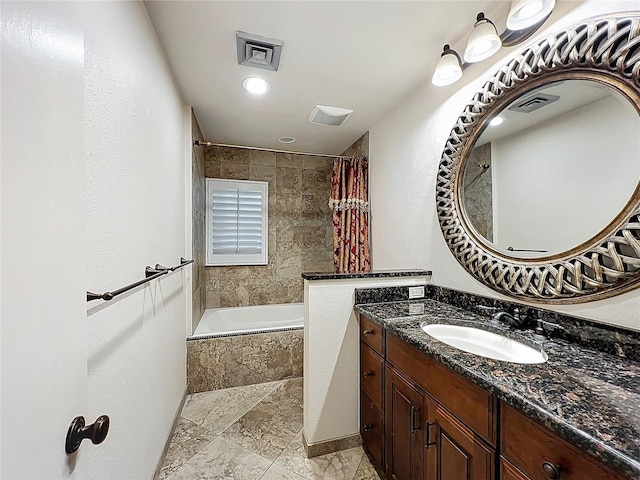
[[257, 51], [534, 102], [329, 116]]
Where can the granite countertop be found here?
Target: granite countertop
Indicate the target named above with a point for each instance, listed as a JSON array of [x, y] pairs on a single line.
[[371, 274], [588, 397]]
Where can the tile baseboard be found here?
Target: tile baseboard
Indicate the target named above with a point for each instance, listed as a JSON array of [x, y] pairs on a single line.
[[163, 456], [331, 446]]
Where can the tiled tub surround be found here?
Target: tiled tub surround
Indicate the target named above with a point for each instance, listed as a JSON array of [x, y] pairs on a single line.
[[232, 361], [198, 225], [589, 397], [300, 228]]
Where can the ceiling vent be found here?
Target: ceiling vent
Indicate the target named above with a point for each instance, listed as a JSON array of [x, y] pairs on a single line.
[[257, 51], [329, 116], [534, 102]]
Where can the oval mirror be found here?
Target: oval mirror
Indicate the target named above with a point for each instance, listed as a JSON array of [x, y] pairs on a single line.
[[552, 168]]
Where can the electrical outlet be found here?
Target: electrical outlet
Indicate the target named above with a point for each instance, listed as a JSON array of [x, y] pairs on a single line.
[[416, 292]]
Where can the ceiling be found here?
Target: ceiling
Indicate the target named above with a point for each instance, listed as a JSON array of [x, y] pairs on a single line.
[[361, 55]]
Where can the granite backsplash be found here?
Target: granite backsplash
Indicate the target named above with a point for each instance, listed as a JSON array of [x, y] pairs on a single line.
[[610, 339]]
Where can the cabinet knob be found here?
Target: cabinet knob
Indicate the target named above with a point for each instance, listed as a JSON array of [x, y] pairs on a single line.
[[551, 471], [77, 432], [366, 333], [367, 427], [367, 374]]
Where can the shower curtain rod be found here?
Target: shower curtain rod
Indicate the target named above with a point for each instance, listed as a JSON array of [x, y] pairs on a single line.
[[209, 144]]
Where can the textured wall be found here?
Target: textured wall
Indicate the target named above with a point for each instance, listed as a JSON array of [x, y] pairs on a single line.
[[198, 217], [406, 146], [136, 148], [300, 232]]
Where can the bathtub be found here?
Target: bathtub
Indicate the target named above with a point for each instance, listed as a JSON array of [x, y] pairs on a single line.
[[239, 346], [223, 322]]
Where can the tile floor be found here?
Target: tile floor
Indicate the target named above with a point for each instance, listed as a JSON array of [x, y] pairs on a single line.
[[253, 432]]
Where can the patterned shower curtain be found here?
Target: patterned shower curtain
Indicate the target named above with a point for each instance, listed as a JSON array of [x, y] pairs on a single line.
[[350, 204]]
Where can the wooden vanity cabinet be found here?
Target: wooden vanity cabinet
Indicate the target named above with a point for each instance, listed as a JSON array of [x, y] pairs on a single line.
[[372, 424], [405, 440], [421, 421], [453, 450], [536, 453]]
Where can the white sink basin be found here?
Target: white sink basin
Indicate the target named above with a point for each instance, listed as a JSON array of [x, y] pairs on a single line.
[[485, 344]]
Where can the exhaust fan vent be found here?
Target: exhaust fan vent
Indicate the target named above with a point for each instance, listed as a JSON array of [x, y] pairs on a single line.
[[535, 102], [257, 51], [329, 116]]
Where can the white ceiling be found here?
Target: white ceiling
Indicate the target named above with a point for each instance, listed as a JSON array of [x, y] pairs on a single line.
[[361, 55]]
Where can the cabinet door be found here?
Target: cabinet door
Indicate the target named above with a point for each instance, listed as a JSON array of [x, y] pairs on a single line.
[[404, 434], [453, 452]]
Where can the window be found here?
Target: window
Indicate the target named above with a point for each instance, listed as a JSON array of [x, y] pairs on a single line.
[[236, 222]]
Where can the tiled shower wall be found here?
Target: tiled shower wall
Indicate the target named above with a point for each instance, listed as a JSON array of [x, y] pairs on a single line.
[[300, 231], [478, 190], [198, 198], [360, 147]]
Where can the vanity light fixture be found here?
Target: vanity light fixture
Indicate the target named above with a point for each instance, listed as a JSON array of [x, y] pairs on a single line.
[[525, 18], [483, 41], [449, 68], [256, 85], [526, 13], [496, 121]]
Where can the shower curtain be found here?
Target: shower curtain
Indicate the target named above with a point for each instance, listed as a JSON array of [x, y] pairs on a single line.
[[350, 204]]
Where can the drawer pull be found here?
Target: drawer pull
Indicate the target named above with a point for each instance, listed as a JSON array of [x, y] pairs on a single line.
[[551, 471], [366, 333], [427, 434], [367, 374], [367, 427]]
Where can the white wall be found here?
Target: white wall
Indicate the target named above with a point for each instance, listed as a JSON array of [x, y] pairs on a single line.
[[43, 327], [135, 148], [405, 150], [331, 355], [547, 179]]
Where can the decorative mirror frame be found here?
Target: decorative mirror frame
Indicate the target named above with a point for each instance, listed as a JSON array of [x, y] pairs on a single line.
[[605, 50]]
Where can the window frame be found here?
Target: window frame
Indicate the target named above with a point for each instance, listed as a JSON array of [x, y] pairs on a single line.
[[231, 259]]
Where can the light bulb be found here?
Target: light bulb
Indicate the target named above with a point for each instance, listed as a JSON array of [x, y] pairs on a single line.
[[483, 41], [448, 69], [496, 121], [526, 13]]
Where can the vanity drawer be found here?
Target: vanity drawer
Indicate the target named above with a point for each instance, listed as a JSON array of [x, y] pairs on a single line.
[[537, 451], [471, 404], [372, 334], [372, 429], [371, 371], [509, 472]]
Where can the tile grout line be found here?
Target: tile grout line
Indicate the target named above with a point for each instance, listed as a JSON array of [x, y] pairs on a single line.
[[205, 445]]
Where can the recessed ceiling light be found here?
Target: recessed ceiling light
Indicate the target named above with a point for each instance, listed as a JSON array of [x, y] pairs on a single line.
[[256, 86], [287, 139], [496, 121]]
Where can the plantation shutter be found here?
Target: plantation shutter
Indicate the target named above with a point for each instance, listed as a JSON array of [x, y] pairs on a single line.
[[237, 221]]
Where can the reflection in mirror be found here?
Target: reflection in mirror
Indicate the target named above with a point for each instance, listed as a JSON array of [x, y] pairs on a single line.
[[552, 169]]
